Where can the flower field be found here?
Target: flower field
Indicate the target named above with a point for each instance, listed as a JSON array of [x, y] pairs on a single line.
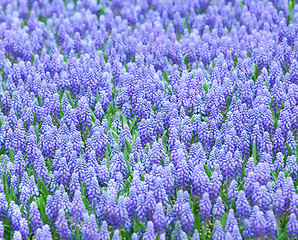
[[148, 119]]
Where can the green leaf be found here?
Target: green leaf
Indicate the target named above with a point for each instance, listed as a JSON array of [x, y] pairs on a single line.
[[93, 118], [286, 173], [45, 188], [70, 99], [166, 76], [86, 202], [224, 219], [133, 57], [170, 90], [185, 60], [83, 189], [143, 226], [254, 152], [136, 226], [192, 118], [206, 86], [11, 155], [37, 131], [60, 94], [39, 101], [296, 153], [234, 86], [124, 120], [132, 123], [208, 172], [154, 107], [127, 143], [34, 119], [22, 208], [42, 205], [102, 11], [283, 236], [273, 174], [271, 102], [174, 236], [289, 149], [105, 57]]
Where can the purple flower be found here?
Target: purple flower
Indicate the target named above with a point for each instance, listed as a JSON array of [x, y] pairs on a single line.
[[218, 208], [218, 232], [187, 218], [62, 226], [271, 224], [205, 207], [44, 233], [17, 236], [149, 234], [294, 204], [116, 235], [292, 226], [77, 209], [159, 218], [104, 233], [89, 228]]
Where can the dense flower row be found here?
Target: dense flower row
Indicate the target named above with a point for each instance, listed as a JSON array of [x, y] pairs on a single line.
[[148, 119]]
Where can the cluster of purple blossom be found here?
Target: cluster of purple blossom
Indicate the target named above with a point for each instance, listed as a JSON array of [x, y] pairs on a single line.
[[148, 119]]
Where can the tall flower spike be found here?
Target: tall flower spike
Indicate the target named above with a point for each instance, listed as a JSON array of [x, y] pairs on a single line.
[[19, 164], [292, 226], [187, 218], [134, 236], [258, 224], [1, 230], [63, 172], [150, 205], [45, 234], [159, 218], [62, 226], [182, 172], [218, 208], [116, 235], [159, 191], [149, 234], [196, 235], [243, 209], [205, 207], [122, 212], [278, 203], [17, 235], [236, 233], [74, 184], [294, 204], [218, 232], [262, 198], [3, 205], [89, 228], [232, 191], [104, 233], [77, 208], [24, 228], [271, 228], [292, 166], [214, 186], [231, 221]]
